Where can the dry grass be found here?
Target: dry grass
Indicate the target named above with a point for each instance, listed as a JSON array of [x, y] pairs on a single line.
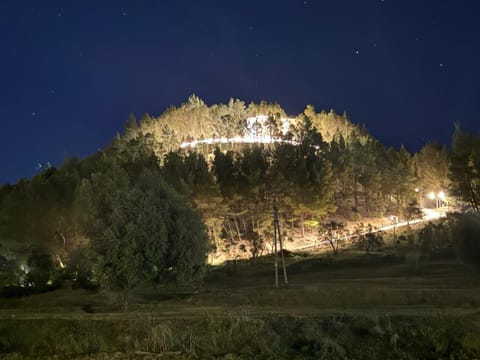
[[329, 306]]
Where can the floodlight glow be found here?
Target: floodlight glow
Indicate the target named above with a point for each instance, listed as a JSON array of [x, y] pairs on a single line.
[[431, 196], [441, 195]]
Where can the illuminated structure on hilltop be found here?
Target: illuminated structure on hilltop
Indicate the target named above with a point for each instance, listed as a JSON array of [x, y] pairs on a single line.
[[258, 129]]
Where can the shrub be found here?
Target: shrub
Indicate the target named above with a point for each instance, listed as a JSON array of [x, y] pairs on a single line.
[[367, 239], [466, 233]]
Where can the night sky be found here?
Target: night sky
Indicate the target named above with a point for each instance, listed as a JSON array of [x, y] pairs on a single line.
[[72, 71]]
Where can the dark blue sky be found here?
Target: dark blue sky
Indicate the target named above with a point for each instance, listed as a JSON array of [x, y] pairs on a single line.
[[72, 71]]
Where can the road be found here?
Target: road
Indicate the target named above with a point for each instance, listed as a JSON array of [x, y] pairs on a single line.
[[430, 215]]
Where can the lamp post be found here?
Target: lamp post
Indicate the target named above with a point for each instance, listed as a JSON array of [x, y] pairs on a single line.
[[443, 198], [439, 198], [432, 196]]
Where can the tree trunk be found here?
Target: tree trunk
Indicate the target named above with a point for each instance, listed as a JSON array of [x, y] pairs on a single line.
[[237, 228], [244, 226], [303, 225], [332, 244], [230, 231], [125, 299], [214, 233], [473, 195], [355, 194], [366, 202]]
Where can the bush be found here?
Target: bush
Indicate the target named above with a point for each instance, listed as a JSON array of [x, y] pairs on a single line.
[[457, 233], [367, 239], [466, 233], [43, 273]]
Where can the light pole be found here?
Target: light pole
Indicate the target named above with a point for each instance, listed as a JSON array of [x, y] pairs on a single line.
[[432, 196], [439, 198]]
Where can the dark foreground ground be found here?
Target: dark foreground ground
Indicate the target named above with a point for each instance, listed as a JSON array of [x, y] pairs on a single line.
[[354, 306]]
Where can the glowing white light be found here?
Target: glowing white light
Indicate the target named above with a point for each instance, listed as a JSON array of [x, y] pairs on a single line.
[[257, 130], [441, 195], [431, 196]]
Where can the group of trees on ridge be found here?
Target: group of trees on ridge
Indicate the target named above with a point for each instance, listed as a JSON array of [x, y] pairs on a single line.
[[145, 211]]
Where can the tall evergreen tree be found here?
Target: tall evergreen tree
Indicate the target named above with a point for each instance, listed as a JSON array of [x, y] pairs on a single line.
[[464, 172], [432, 166]]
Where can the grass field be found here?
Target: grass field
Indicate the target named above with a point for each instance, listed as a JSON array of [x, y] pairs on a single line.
[[387, 305]]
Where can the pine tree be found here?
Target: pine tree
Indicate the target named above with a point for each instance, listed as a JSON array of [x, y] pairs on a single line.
[[464, 168]]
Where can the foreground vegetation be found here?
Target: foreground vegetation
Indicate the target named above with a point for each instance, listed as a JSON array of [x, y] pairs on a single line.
[[413, 299], [398, 304], [246, 337]]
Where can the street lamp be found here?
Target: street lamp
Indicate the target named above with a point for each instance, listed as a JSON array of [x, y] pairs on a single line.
[[441, 195], [437, 197]]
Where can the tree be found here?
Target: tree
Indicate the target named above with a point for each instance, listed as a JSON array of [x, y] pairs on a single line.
[[434, 237], [332, 232], [223, 169], [432, 166], [412, 211], [251, 168], [189, 175], [337, 155], [466, 232], [131, 127], [11, 273], [302, 175], [362, 170], [399, 177], [141, 231], [330, 124], [366, 238], [465, 168], [42, 269]]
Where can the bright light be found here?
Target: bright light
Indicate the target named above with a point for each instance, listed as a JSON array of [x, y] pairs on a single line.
[[431, 196], [257, 130], [441, 195], [416, 189]]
